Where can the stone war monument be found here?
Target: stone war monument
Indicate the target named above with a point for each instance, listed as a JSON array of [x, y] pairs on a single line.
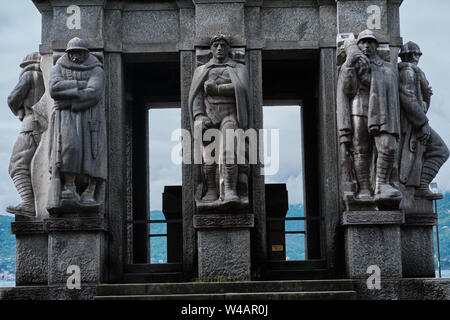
[[81, 160]]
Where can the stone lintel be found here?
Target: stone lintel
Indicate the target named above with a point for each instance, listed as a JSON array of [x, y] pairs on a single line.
[[420, 219], [75, 224], [372, 218], [58, 225], [223, 221], [27, 227]]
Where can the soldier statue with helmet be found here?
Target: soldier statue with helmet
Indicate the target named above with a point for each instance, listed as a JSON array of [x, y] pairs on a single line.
[[423, 151], [78, 146], [368, 115], [22, 101]]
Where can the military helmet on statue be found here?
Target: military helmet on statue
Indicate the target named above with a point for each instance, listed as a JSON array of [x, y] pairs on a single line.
[[408, 48], [77, 44], [31, 58], [367, 34]]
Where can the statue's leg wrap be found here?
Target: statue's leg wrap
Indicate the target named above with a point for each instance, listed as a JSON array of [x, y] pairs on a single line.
[[69, 190], [22, 181], [362, 175], [435, 156], [230, 182], [387, 146], [210, 175], [88, 196]]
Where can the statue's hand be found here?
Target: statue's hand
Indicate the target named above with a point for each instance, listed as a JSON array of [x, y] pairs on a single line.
[[211, 88], [82, 84], [424, 134], [205, 121], [21, 114], [359, 60]]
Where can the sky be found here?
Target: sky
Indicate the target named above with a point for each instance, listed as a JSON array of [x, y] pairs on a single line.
[[424, 22]]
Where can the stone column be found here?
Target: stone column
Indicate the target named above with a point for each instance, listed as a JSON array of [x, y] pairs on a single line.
[[187, 61], [31, 252], [417, 238], [76, 241], [224, 245]]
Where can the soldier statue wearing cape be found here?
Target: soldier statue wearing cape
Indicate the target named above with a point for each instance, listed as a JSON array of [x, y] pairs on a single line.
[[218, 99]]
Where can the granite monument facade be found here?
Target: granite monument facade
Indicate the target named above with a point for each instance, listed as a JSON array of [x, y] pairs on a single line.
[[369, 156]]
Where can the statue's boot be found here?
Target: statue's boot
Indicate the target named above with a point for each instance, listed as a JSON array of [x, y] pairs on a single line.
[[383, 188], [25, 189], [210, 175], [69, 191], [230, 182], [87, 198], [363, 177], [429, 171]]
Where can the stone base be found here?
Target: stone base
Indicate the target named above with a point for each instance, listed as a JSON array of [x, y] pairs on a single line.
[[405, 289], [31, 253], [224, 246], [372, 238], [417, 236], [86, 292]]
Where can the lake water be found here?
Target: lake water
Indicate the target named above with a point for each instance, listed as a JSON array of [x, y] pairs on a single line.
[[7, 283]]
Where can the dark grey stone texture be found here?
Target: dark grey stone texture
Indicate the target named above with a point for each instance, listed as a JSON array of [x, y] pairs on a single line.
[[374, 243], [83, 249], [224, 253], [418, 252], [31, 259]]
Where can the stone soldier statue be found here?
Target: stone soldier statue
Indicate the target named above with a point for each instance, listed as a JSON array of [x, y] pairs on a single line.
[[368, 116], [423, 151], [78, 146], [218, 98], [22, 100]]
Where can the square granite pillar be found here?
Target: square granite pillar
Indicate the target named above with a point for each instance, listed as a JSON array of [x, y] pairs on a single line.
[[224, 245], [78, 241], [372, 238], [417, 237], [31, 252]]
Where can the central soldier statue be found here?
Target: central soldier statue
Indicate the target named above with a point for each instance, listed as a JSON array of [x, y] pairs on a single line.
[[218, 99]]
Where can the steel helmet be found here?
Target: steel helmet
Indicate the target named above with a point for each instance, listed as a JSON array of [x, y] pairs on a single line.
[[410, 47], [77, 44], [367, 34], [31, 58]]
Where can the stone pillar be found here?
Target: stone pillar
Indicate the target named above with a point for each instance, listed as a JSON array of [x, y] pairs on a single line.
[[224, 245], [417, 237], [31, 252], [189, 171], [372, 238], [77, 241]]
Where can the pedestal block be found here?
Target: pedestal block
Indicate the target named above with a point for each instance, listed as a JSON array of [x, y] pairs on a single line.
[[76, 242], [31, 253], [418, 241], [372, 238], [224, 245]]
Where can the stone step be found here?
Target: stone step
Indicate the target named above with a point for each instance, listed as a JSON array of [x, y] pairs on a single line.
[[161, 277], [289, 274], [317, 295], [243, 287]]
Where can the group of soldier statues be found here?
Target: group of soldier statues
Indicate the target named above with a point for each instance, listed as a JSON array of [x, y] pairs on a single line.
[[386, 142], [387, 145], [77, 131]]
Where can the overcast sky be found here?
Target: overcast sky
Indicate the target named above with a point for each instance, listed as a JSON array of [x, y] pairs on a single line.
[[425, 22]]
